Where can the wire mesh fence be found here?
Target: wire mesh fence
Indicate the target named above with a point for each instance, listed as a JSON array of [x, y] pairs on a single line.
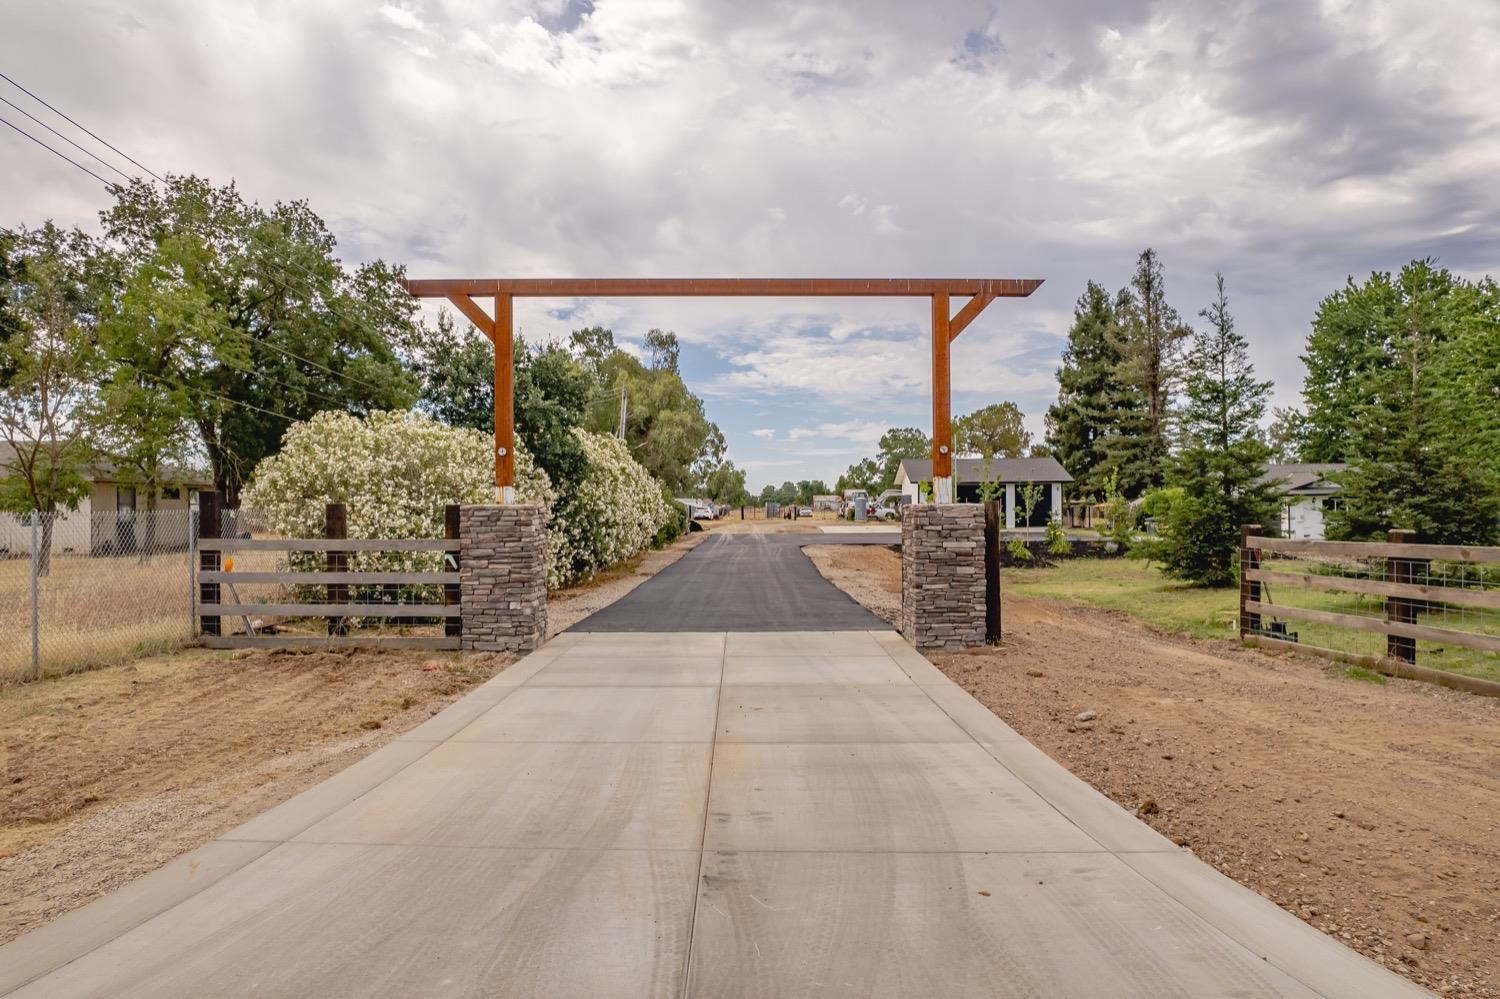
[[83, 589], [1449, 603]]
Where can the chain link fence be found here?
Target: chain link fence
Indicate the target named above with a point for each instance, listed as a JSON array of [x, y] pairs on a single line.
[[79, 590]]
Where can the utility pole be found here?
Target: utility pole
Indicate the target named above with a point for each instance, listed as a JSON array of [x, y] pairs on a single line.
[[620, 433]]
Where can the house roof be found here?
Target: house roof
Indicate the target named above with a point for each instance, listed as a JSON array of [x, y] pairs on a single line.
[[1304, 478], [105, 470], [972, 470]]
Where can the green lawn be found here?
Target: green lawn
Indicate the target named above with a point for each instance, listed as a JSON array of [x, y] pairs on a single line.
[[1142, 591]]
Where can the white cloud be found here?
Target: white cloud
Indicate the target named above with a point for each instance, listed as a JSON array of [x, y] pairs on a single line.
[[764, 433], [1287, 143]]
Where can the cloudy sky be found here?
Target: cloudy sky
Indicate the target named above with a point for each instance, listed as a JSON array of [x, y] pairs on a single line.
[[1288, 143]]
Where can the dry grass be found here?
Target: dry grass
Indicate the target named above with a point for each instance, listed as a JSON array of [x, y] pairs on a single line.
[[93, 611]]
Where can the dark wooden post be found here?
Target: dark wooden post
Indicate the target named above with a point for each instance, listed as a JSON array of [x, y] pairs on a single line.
[[453, 627], [1249, 588], [1399, 609], [336, 525], [209, 506], [992, 570]]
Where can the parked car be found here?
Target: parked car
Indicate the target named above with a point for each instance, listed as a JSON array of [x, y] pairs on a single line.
[[805, 511]]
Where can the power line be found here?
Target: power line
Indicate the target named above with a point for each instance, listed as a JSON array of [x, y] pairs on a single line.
[[81, 128], [284, 265], [69, 141], [288, 268], [60, 155]]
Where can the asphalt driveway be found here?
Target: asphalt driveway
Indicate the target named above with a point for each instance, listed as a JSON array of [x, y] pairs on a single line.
[[742, 582]]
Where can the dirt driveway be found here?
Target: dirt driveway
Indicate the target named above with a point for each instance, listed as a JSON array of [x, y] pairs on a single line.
[[1370, 810]]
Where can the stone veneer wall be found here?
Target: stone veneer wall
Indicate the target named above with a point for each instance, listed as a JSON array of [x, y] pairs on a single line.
[[942, 575], [502, 567]]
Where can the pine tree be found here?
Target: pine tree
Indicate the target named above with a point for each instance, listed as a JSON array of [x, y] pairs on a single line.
[[1422, 438], [1093, 406], [1222, 457], [1150, 337]]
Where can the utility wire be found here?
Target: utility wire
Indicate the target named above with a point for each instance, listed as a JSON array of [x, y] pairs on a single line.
[[287, 267], [69, 141], [60, 155], [81, 128]]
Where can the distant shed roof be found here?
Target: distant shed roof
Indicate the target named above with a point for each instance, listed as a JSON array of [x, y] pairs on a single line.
[[1304, 478], [972, 470]]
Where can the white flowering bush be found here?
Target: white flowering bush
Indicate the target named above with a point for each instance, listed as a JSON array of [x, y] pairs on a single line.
[[615, 512], [395, 472]]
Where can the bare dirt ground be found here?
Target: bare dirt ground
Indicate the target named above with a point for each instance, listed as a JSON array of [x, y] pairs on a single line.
[[107, 775], [1372, 811]]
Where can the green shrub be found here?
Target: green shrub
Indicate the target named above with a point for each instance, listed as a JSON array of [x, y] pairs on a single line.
[[1057, 539], [1018, 550]]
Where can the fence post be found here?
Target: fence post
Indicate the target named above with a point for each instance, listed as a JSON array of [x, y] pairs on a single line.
[[453, 627], [1399, 609], [209, 522], [1249, 588], [36, 610], [336, 525], [192, 557], [992, 570]]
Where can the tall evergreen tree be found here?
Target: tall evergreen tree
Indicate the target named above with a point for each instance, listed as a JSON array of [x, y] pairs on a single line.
[[1093, 406], [1150, 339], [1422, 438], [1222, 457]]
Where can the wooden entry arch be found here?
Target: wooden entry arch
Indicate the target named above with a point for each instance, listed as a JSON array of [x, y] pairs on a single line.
[[946, 327]]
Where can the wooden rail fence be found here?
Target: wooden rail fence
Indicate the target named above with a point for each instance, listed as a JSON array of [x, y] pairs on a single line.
[[1405, 563], [336, 577]]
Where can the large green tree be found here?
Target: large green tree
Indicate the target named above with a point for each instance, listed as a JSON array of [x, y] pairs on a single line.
[[312, 335], [895, 444], [50, 365], [552, 392], [1419, 409], [666, 425], [726, 484], [994, 431], [1222, 458], [865, 474], [1149, 337], [1095, 409]]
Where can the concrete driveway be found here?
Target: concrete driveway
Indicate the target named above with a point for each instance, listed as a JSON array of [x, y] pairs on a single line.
[[704, 814]]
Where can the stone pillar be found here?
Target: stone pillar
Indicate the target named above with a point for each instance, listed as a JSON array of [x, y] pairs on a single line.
[[942, 575], [503, 577]]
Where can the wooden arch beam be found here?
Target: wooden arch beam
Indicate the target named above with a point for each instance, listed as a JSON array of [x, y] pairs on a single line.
[[966, 315], [945, 328], [474, 314]]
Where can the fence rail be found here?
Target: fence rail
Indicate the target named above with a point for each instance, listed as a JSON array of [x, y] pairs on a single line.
[[1402, 581], [341, 585], [328, 545]]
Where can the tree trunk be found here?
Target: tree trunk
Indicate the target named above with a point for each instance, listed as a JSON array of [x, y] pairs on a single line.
[[44, 546]]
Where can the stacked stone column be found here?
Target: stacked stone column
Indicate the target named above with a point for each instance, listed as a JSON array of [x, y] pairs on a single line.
[[503, 577], [942, 575]]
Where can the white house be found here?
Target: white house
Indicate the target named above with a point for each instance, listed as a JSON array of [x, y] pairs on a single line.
[[1306, 493], [106, 520], [1014, 474]]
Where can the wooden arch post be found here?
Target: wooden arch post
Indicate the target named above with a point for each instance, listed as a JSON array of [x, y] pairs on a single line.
[[945, 329]]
